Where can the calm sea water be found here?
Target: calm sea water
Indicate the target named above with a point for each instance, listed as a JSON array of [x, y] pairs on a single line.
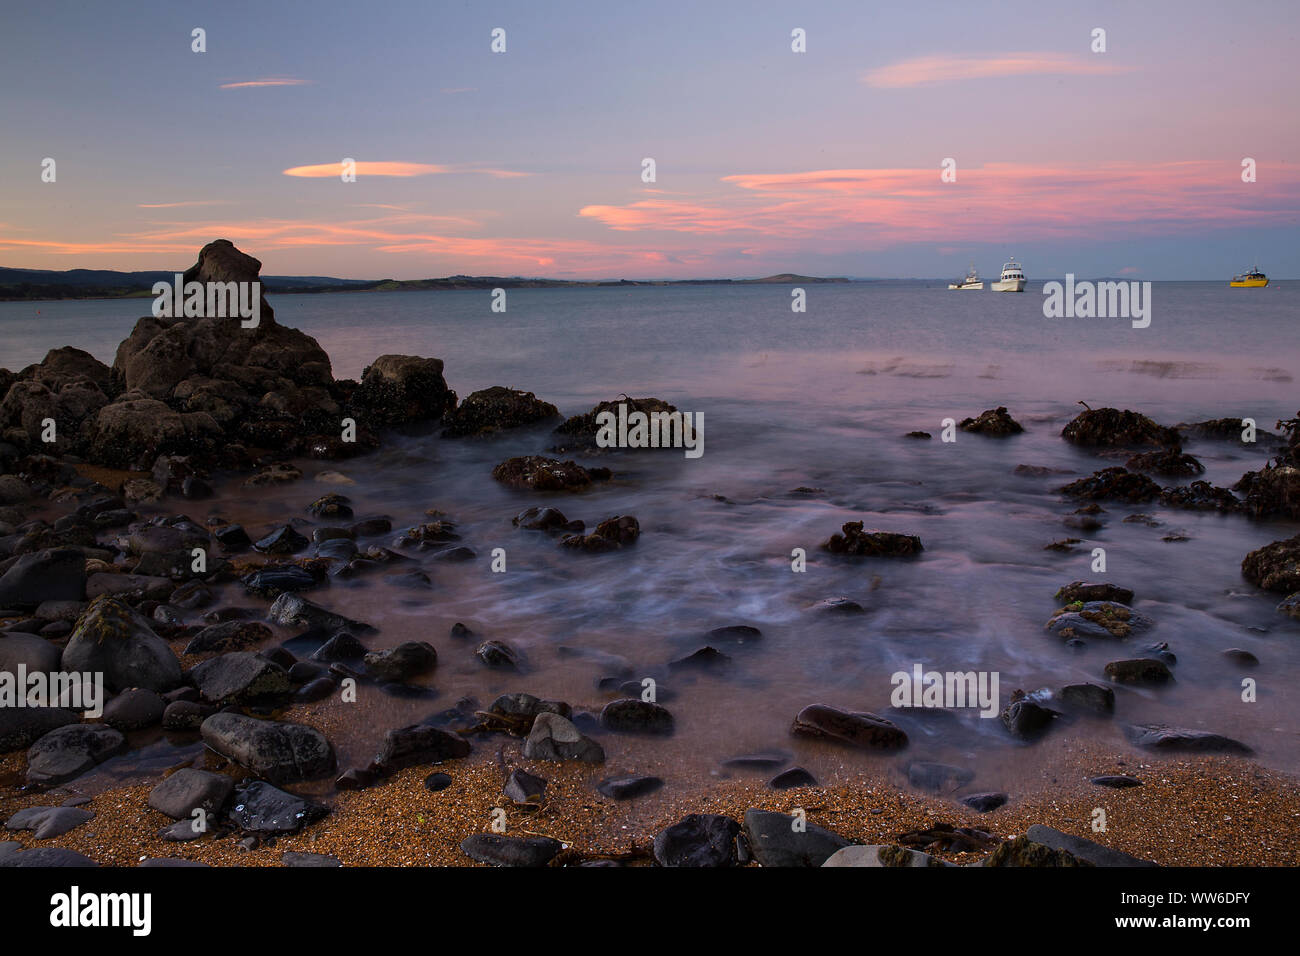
[[818, 399]]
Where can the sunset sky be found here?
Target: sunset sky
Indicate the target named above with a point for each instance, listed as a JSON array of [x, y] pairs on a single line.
[[529, 162]]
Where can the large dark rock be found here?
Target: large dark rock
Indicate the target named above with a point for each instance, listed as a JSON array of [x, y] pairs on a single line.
[[279, 751], [856, 541], [497, 850], [228, 636], [536, 473], [55, 575], [242, 678], [189, 789], [1116, 483], [70, 751], [861, 730], [775, 840], [631, 715], [580, 431], [1183, 740], [496, 408], [401, 389], [1274, 567], [700, 839], [113, 639], [1111, 428], [258, 807], [610, 535], [417, 744], [553, 737], [995, 422]]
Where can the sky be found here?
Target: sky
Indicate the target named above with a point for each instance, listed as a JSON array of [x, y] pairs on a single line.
[[530, 162]]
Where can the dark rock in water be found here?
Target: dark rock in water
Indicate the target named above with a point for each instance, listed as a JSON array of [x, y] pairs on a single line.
[[371, 527], [330, 506], [283, 540], [1113, 483], [259, 807], [734, 633], [763, 760], [304, 671], [1023, 851], [1082, 849], [1026, 719], [55, 575], [1088, 697], [1200, 496], [497, 654], [1081, 592], [459, 554], [406, 660], [189, 789], [581, 431], [838, 606], [544, 474], [134, 709], [1291, 606], [241, 678], [437, 781], [1274, 567], [290, 858], [938, 777], [1273, 491], [228, 636], [1111, 428], [631, 715], [46, 856], [862, 730], [460, 631], [918, 435], [525, 789], [417, 744], [429, 533], [794, 777], [1162, 653], [996, 422], [336, 549], [114, 639], [314, 690], [289, 610], [985, 802], [546, 519], [70, 751], [1240, 657], [48, 822], [520, 710], [627, 788], [1183, 740], [1116, 781], [1139, 671], [22, 726], [700, 839], [493, 409], [401, 389], [610, 535], [496, 850], [1170, 462], [272, 581], [1105, 620], [775, 841], [706, 658], [232, 537], [277, 750], [343, 646], [860, 543], [553, 737]]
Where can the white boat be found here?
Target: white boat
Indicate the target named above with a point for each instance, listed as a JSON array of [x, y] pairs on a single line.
[[972, 281], [1013, 278]]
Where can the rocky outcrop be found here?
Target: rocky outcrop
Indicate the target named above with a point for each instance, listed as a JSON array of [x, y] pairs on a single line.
[[1111, 428], [1118, 484], [400, 390], [994, 422], [854, 540], [536, 473], [496, 408], [1274, 567]]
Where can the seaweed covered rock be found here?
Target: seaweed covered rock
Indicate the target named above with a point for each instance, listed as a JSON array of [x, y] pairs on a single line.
[[546, 474], [1113, 484], [580, 431], [610, 535], [854, 540], [1273, 491], [113, 639], [401, 389], [1170, 462], [1274, 567], [493, 409], [69, 386], [1101, 619], [1112, 428], [1200, 496], [995, 422]]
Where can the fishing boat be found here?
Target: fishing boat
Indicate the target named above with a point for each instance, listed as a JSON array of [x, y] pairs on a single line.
[[1013, 278], [972, 281], [1254, 279]]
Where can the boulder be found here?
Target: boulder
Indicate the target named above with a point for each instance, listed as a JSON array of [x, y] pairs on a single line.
[[553, 737], [401, 389], [535, 473], [775, 841], [995, 422], [258, 807], [854, 540], [863, 731], [241, 678], [1111, 428], [697, 840], [58, 574], [1274, 567], [113, 639], [279, 751], [70, 751], [189, 789], [417, 744], [496, 850], [494, 409]]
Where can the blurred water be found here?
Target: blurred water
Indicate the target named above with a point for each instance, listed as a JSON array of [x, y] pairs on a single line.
[[819, 399]]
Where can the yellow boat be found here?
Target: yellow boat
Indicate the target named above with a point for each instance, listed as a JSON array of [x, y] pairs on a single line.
[[1254, 279]]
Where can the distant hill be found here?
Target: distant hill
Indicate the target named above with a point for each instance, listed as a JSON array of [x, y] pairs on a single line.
[[20, 284]]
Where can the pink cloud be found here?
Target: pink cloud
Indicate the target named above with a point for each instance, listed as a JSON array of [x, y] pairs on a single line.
[[398, 169], [249, 84], [942, 68]]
